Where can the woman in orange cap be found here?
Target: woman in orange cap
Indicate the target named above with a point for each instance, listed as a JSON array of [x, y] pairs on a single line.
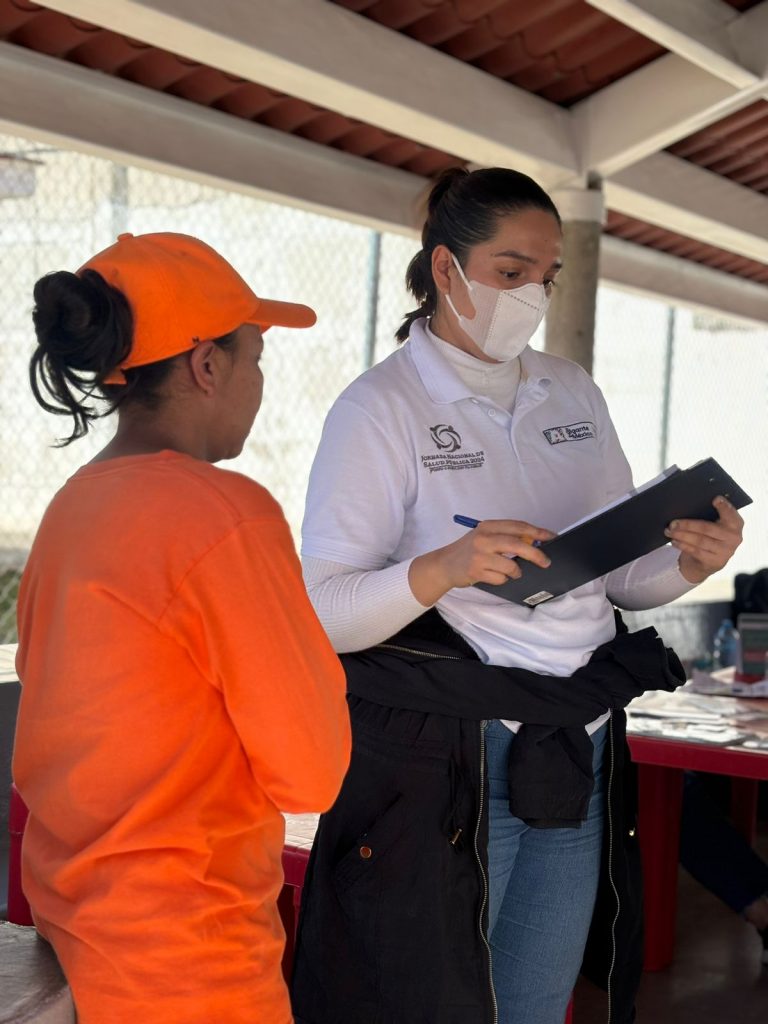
[[178, 691]]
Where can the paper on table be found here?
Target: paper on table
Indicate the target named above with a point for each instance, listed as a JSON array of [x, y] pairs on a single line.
[[8, 663], [722, 683], [751, 691], [694, 732], [679, 705], [697, 718], [719, 682]]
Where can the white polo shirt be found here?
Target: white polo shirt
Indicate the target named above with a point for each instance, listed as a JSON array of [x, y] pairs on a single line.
[[407, 445]]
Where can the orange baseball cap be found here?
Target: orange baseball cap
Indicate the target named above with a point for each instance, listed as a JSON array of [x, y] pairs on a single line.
[[182, 292]]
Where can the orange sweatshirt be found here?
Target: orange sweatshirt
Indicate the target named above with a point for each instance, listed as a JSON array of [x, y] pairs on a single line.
[[178, 692]]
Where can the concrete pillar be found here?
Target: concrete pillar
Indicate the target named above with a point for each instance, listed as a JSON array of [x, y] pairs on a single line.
[[570, 323]]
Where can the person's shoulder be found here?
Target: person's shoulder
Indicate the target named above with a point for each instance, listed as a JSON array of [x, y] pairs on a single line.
[[380, 394], [233, 494], [381, 378], [566, 371]]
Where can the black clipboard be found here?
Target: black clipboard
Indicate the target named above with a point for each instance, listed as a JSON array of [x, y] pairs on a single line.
[[621, 534]]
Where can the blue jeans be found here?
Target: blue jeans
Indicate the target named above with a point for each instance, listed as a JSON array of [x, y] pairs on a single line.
[[542, 887]]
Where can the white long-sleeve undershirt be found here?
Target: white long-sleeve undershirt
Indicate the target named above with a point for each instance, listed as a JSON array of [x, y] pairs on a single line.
[[360, 608]]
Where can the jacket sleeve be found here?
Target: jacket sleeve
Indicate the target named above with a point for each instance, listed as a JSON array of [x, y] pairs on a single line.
[[244, 615], [618, 672]]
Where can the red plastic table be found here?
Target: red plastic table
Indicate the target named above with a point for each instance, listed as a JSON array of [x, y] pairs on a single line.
[[661, 763]]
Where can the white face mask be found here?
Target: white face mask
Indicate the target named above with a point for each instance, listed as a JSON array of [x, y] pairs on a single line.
[[505, 319]]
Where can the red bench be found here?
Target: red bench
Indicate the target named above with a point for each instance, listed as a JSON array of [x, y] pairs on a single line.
[[18, 908]]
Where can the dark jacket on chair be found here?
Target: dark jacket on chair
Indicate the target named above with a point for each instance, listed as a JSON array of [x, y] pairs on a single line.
[[394, 913]]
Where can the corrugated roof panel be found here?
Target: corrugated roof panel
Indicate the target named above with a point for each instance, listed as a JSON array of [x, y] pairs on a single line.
[[202, 85], [561, 49], [30, 25], [248, 100], [15, 13], [735, 147], [653, 237], [156, 69], [396, 14], [694, 146], [290, 115], [105, 51], [49, 32], [328, 127]]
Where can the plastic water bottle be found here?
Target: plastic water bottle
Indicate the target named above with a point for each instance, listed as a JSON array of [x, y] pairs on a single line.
[[725, 647]]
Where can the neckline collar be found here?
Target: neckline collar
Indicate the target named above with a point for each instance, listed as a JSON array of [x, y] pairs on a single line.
[[443, 384]]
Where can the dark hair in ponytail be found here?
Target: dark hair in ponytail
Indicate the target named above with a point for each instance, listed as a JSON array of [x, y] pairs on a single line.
[[462, 211], [84, 329]]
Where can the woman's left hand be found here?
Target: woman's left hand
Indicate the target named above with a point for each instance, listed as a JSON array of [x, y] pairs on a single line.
[[706, 547]]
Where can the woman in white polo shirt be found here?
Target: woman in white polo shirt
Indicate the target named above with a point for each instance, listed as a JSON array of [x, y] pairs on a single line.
[[457, 875]]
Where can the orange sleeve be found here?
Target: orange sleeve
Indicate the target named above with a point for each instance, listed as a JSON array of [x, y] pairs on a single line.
[[245, 618]]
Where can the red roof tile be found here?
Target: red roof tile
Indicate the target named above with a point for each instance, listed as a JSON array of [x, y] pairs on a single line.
[[679, 245], [562, 50]]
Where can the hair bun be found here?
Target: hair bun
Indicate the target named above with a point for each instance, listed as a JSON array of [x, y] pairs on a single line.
[[84, 329], [77, 321], [443, 184]]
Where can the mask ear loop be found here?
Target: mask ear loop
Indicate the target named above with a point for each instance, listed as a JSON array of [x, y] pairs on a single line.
[[470, 289], [455, 311], [463, 275]]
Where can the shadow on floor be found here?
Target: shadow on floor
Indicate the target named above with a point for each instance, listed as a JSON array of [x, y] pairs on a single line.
[[717, 976]]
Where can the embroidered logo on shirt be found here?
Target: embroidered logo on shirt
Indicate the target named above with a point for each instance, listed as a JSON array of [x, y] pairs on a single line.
[[448, 442], [570, 432], [445, 437]]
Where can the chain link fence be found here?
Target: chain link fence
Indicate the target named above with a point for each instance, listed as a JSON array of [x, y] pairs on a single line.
[[61, 207], [684, 385], [676, 395]]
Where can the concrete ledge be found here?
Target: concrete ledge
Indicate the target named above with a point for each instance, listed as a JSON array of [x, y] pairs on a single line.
[[33, 989]]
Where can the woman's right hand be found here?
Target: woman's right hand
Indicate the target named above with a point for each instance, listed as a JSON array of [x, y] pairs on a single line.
[[487, 554]]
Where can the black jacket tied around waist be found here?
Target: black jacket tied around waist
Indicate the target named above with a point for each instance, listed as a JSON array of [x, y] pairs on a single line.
[[393, 913]]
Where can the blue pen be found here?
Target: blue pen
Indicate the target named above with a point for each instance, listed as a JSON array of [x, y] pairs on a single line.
[[466, 521], [472, 523]]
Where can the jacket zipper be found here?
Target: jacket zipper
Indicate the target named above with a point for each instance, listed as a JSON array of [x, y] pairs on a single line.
[[421, 654], [484, 901], [611, 755], [483, 936]]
